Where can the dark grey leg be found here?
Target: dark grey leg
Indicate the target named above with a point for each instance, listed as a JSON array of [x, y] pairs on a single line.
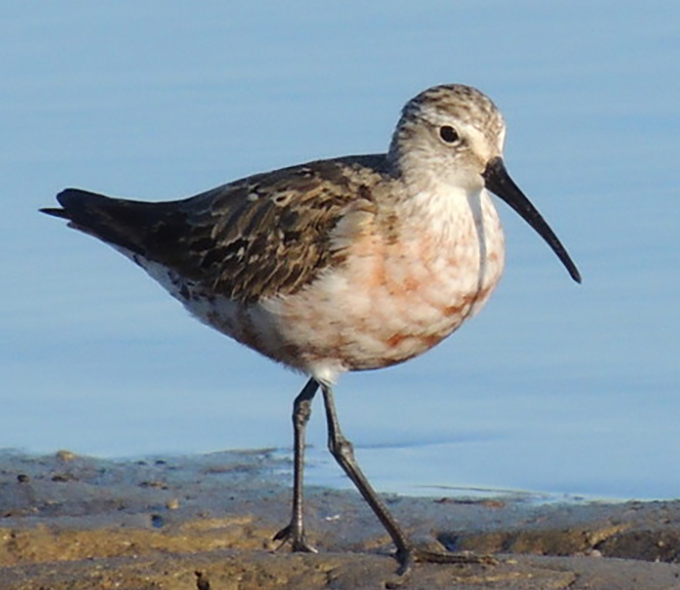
[[343, 452], [302, 409]]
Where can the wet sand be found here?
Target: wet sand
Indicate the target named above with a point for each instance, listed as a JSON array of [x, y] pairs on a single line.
[[206, 523]]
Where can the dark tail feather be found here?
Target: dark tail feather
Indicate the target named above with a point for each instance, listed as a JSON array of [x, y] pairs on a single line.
[[74, 202], [55, 212], [117, 221], [78, 204]]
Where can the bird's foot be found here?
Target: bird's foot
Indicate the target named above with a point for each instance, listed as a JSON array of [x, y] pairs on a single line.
[[295, 536], [406, 557]]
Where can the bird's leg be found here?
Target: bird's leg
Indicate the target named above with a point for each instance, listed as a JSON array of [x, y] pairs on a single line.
[[343, 452], [302, 409]]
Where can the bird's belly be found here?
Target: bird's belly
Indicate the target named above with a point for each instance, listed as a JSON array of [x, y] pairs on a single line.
[[389, 303]]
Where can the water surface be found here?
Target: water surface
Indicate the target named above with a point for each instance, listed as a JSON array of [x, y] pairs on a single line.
[[554, 388]]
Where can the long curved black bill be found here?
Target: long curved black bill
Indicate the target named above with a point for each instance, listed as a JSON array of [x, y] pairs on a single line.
[[498, 181]]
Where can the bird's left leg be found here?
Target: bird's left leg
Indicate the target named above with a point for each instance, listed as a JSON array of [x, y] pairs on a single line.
[[343, 452]]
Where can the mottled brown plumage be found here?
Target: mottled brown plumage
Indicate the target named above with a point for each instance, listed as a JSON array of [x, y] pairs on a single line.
[[268, 234]]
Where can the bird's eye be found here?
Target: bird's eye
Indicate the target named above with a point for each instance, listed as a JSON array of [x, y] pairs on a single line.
[[448, 134]]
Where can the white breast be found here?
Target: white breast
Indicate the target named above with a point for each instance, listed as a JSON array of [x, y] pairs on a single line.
[[393, 300]]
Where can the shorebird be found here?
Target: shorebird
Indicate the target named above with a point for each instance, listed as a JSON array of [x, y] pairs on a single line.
[[347, 264]]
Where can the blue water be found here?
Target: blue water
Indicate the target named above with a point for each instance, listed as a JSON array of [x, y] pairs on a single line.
[[554, 388]]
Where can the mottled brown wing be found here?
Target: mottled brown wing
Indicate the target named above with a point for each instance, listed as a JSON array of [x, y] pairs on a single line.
[[269, 234], [264, 235]]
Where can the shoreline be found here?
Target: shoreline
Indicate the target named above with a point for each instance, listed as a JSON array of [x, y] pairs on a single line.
[[207, 521]]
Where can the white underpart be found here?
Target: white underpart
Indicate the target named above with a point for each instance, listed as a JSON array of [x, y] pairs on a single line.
[[444, 250]]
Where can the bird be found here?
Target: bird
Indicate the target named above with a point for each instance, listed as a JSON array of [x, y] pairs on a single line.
[[347, 264]]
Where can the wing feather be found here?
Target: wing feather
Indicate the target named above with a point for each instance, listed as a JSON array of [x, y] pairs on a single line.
[[251, 239]]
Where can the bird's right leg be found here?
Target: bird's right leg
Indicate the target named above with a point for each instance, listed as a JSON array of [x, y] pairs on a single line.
[[302, 409]]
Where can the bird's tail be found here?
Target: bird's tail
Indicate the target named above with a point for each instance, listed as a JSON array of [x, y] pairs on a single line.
[[119, 222]]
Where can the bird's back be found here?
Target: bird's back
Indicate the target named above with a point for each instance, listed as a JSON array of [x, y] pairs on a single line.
[[268, 234]]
